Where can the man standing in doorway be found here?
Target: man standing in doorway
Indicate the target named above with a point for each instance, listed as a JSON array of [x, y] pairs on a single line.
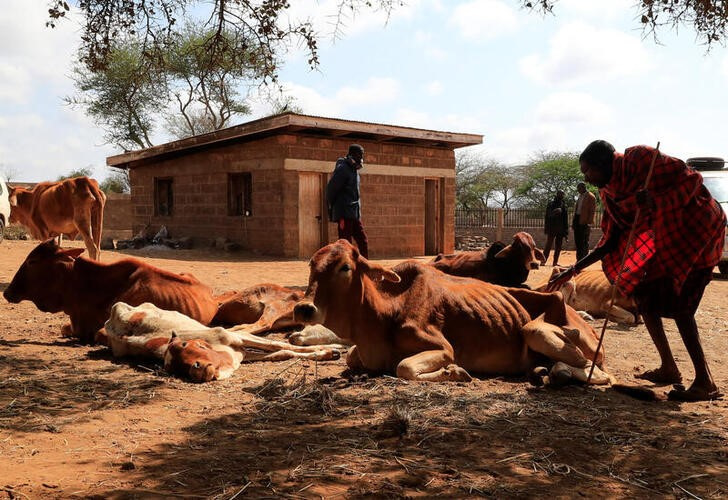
[[583, 219], [342, 196]]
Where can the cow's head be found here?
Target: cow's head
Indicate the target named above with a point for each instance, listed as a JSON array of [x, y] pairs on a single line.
[[568, 289], [198, 361], [43, 277], [523, 251], [336, 284]]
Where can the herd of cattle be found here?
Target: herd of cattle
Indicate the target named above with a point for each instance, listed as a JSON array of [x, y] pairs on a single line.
[[469, 312]]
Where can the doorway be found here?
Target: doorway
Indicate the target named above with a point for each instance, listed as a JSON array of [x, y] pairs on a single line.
[[433, 217], [312, 225]]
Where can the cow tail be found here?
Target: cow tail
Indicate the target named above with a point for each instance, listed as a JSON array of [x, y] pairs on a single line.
[[97, 213]]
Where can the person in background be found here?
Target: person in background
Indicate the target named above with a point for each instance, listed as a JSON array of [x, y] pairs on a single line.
[[342, 197], [678, 240], [556, 226], [586, 205]]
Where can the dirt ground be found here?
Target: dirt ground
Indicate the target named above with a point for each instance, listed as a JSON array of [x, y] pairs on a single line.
[[75, 422]]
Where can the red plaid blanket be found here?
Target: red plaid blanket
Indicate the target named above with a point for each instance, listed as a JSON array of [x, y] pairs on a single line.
[[684, 230]]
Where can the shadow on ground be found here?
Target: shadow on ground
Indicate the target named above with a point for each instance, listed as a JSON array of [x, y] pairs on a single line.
[[385, 438]]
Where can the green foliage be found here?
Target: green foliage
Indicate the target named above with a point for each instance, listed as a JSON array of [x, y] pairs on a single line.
[[123, 97], [116, 182], [548, 172], [238, 29], [79, 172], [482, 182]]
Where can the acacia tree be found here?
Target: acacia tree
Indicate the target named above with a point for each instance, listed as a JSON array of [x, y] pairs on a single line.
[[123, 98], [548, 172], [481, 182], [260, 25], [237, 28], [708, 18]]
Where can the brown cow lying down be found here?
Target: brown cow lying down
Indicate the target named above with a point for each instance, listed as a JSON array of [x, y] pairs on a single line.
[[191, 350], [266, 308], [72, 206], [591, 291], [421, 324], [506, 265], [58, 280]]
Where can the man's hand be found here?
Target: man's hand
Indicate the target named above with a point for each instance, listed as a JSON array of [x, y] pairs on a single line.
[[561, 278]]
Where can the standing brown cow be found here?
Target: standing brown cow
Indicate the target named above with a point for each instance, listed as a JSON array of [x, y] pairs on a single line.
[[71, 207]]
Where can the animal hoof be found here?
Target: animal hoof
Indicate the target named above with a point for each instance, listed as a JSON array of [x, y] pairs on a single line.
[[456, 373], [560, 375], [296, 339], [538, 376]]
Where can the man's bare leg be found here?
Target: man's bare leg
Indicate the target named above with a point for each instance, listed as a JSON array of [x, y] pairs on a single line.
[[668, 372], [703, 387]]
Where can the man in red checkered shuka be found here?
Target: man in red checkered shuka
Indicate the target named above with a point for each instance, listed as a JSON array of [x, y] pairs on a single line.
[[678, 239]]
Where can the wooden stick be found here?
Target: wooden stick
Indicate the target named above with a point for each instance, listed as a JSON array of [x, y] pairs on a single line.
[[621, 266]]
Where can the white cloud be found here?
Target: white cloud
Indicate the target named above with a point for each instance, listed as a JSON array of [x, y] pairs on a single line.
[[599, 9], [484, 19], [572, 107], [14, 83], [725, 66], [434, 88], [375, 90], [580, 53]]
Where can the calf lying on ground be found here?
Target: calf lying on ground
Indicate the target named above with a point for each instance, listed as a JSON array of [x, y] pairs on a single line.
[[191, 350], [507, 265], [591, 291], [58, 280], [421, 324]]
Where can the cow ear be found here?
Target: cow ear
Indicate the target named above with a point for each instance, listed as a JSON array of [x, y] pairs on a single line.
[[74, 253], [377, 272], [174, 336], [539, 255], [504, 253]]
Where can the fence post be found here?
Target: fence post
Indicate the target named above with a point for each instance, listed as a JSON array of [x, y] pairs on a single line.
[[499, 223]]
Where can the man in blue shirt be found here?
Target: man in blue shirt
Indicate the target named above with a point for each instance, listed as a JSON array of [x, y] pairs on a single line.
[[342, 196]]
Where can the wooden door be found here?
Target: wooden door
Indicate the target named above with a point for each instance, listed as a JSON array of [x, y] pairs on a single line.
[[311, 222], [432, 216]]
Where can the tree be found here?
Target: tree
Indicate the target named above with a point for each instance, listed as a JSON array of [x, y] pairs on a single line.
[[482, 182], [8, 172], [548, 172], [123, 97], [78, 172], [116, 182], [708, 18], [237, 28]]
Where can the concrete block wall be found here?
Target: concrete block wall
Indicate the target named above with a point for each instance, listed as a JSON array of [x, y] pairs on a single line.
[[393, 204], [117, 216]]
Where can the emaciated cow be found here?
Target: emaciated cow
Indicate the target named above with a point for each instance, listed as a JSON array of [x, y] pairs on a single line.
[[191, 350], [265, 308], [421, 324], [71, 207], [58, 280], [591, 291], [507, 265]]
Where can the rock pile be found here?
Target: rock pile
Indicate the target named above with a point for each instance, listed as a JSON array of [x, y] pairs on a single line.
[[471, 242]]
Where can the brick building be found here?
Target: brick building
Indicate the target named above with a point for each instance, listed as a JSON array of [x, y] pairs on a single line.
[[262, 184]]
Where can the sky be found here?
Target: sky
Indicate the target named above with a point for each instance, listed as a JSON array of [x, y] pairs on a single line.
[[526, 82]]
